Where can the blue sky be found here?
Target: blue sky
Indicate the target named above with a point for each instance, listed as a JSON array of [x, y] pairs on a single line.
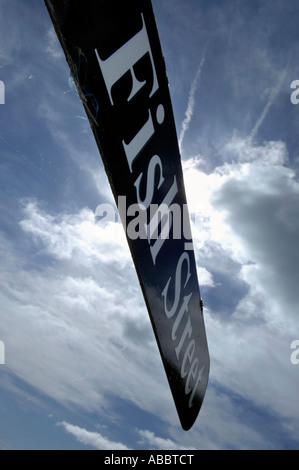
[[82, 367]]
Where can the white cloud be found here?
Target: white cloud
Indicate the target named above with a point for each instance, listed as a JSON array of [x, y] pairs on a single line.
[[270, 153], [148, 440], [191, 101], [205, 278], [222, 424], [260, 205], [53, 47], [77, 328], [94, 439], [77, 237], [159, 443]]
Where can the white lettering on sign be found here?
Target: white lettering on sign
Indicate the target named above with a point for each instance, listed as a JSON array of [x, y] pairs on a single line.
[[113, 69], [154, 163], [123, 61], [164, 209], [190, 367]]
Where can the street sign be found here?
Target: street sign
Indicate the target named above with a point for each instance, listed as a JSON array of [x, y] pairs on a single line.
[[114, 54]]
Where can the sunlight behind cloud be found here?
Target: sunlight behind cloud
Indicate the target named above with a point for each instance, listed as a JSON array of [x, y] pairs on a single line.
[[249, 208]]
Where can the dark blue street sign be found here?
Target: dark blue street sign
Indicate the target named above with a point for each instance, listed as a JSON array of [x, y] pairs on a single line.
[[114, 54]]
